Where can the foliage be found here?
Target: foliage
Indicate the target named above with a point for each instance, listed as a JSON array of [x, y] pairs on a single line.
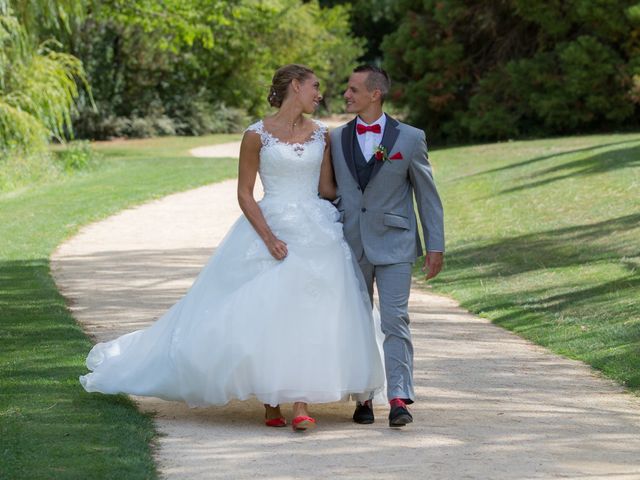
[[267, 35], [370, 20], [199, 117], [177, 66], [50, 19], [38, 86], [173, 23], [517, 67], [76, 156], [201, 80]]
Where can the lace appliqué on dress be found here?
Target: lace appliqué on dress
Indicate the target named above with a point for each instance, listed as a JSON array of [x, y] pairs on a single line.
[[268, 139]]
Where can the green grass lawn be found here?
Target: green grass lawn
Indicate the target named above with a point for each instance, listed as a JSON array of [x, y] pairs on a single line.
[[543, 238], [49, 427]]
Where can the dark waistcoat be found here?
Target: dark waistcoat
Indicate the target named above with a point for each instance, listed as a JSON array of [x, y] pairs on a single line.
[[363, 168]]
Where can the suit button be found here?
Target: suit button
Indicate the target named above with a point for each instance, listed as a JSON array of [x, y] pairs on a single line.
[[359, 189], [363, 209]]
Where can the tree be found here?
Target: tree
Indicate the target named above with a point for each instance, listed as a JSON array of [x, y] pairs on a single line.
[[46, 19], [494, 70], [370, 20], [268, 34], [184, 66], [38, 86]]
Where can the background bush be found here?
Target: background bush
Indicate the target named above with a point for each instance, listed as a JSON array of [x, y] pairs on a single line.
[[140, 68], [462, 70], [76, 156], [496, 70], [211, 78]]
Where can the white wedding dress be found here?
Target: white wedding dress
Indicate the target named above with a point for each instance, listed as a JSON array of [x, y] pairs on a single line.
[[300, 329]]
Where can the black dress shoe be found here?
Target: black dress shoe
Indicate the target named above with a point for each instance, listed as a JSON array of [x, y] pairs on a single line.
[[399, 416], [364, 413]]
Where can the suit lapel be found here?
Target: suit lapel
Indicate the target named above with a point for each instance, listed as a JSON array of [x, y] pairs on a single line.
[[348, 134], [389, 138]]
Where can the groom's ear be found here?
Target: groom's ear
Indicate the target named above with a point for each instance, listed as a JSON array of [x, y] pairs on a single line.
[[376, 95]]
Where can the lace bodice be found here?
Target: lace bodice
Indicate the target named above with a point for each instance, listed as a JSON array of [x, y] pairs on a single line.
[[290, 170]]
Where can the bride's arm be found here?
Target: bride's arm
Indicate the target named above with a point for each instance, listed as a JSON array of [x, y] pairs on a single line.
[[327, 187], [247, 172]]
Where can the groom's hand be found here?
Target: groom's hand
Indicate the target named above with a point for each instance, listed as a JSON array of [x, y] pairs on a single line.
[[432, 264]]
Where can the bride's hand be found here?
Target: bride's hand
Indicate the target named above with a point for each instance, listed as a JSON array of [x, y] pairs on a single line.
[[277, 248]]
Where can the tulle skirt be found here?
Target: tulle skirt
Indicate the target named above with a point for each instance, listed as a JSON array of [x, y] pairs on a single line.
[[300, 329]]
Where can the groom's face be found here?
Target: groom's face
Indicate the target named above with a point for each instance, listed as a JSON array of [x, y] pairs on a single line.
[[357, 97]]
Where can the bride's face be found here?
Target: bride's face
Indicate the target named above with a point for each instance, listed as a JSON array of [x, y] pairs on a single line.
[[308, 92]]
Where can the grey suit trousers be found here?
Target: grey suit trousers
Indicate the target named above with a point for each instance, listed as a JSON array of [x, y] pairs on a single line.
[[394, 283]]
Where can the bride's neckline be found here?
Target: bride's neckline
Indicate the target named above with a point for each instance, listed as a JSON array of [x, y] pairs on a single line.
[[310, 138]]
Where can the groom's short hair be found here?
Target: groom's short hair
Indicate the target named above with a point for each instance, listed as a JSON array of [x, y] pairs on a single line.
[[377, 78]]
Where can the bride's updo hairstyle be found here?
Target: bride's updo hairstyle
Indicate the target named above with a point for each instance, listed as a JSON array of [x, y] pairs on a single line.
[[281, 80]]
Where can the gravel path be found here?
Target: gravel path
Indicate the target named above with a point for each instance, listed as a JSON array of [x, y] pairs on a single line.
[[232, 149], [221, 150], [490, 405]]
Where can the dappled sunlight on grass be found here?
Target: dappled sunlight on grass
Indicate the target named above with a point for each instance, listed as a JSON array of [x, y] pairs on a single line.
[[544, 239], [50, 427]]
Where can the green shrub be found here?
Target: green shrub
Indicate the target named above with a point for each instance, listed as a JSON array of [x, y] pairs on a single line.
[[164, 126], [498, 70], [142, 127], [103, 128], [165, 68], [76, 156], [191, 116], [200, 118]]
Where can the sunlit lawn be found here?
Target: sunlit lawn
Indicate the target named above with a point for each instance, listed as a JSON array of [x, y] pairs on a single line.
[[49, 427], [543, 238]]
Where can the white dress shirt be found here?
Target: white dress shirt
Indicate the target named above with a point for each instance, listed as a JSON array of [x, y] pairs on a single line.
[[368, 141]]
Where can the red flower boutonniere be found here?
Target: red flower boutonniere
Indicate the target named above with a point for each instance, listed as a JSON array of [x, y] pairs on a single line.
[[380, 153]]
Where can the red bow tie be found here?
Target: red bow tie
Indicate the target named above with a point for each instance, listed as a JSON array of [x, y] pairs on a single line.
[[361, 129]]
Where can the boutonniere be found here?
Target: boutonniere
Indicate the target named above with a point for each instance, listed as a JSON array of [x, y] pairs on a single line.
[[382, 155]]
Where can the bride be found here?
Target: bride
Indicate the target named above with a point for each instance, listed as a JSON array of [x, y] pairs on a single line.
[[278, 312]]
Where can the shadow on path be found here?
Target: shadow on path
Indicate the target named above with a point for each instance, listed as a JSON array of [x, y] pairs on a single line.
[[489, 405]]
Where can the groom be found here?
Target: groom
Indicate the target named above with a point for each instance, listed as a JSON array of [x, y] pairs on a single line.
[[380, 164]]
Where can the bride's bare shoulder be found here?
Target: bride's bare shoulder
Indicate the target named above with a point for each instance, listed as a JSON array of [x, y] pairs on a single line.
[[252, 138]]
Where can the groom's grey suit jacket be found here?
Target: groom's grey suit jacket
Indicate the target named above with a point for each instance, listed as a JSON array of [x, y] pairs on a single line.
[[380, 220]]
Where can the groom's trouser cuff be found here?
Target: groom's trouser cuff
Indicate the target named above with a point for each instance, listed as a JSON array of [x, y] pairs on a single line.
[[394, 285]]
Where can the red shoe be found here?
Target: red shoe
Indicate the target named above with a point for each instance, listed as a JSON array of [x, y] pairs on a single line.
[[302, 423], [275, 422]]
